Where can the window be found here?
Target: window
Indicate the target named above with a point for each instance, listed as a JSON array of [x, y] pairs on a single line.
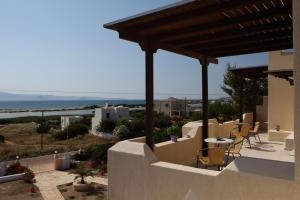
[[167, 105], [107, 115]]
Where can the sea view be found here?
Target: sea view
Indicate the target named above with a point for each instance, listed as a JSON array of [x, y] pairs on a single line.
[[150, 100], [36, 105], [14, 109]]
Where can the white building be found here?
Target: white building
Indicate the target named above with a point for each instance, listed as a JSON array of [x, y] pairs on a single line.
[[109, 113], [68, 120]]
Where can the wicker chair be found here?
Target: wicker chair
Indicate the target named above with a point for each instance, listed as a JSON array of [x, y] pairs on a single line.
[[254, 132], [215, 158], [235, 148], [245, 133]]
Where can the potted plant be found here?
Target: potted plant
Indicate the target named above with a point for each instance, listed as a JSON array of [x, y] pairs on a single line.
[[81, 173], [29, 176], [173, 132]]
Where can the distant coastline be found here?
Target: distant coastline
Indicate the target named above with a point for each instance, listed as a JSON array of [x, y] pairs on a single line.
[[55, 105], [15, 109]]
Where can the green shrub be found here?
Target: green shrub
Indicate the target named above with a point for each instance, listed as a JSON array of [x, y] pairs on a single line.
[[72, 131], [122, 133], [160, 136], [197, 116], [87, 120], [173, 130], [140, 114], [99, 151], [106, 126], [223, 111], [137, 127], [96, 152], [124, 122], [43, 128], [161, 121]]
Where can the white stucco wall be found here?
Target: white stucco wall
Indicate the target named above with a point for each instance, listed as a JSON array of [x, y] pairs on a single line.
[[115, 113], [296, 15], [68, 120], [281, 93], [134, 173]]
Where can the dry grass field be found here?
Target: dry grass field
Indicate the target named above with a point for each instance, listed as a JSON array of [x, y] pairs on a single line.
[[18, 190], [23, 140]]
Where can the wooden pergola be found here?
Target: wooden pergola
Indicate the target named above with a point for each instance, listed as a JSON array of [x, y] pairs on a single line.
[[205, 30], [287, 74], [253, 73]]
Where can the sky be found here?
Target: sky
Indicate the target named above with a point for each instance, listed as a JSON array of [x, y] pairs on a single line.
[[60, 47]]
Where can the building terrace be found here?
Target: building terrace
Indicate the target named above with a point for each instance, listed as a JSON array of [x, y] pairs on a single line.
[[207, 30]]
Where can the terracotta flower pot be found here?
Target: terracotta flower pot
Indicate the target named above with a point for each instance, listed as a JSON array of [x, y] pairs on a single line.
[[79, 187]]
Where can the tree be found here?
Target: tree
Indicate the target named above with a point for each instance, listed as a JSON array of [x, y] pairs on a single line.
[[122, 133], [231, 86], [106, 126], [82, 172]]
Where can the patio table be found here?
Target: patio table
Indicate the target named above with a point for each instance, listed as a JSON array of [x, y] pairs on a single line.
[[218, 142]]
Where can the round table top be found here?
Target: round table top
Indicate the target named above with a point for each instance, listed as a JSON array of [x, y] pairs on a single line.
[[215, 141], [240, 123]]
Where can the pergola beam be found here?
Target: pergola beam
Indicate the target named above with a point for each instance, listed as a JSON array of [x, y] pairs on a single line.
[[210, 26], [265, 39], [171, 48], [187, 19], [235, 33], [218, 40], [205, 30], [252, 49]]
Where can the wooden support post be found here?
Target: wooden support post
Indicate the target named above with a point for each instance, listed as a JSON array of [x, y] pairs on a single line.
[[149, 52], [204, 64], [42, 133], [254, 100], [241, 98]]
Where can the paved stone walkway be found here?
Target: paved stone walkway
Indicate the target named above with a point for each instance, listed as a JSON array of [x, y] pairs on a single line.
[[47, 182]]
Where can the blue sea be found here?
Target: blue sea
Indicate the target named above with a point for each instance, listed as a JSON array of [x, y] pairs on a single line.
[[6, 106], [34, 105]]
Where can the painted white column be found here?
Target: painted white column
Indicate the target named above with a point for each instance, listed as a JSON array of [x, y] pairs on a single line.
[[296, 22]]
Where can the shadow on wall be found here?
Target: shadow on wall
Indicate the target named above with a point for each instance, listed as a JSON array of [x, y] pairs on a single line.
[[262, 167]]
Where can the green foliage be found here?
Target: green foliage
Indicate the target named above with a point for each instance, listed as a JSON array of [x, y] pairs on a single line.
[[95, 152], [98, 152], [137, 127], [139, 114], [124, 122], [87, 120], [122, 133], [161, 121], [160, 136], [223, 111], [72, 131], [173, 130], [106, 126], [197, 116], [231, 86], [82, 172], [43, 127]]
